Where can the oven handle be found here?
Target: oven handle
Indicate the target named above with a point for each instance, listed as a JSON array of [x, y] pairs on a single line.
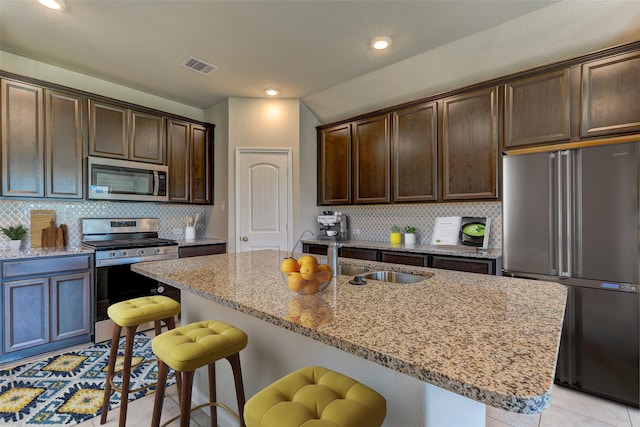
[[133, 260]]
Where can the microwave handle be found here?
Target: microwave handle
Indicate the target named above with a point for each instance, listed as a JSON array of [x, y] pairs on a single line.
[[156, 183]]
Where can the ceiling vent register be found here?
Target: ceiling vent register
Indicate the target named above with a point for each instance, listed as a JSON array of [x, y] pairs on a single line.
[[199, 66]]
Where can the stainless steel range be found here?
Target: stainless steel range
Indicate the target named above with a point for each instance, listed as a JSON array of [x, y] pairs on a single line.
[[118, 243]]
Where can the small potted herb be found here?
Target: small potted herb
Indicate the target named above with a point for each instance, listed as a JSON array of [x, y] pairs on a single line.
[[409, 235], [15, 233], [396, 236]]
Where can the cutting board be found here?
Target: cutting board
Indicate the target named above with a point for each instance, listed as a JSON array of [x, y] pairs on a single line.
[[40, 219]]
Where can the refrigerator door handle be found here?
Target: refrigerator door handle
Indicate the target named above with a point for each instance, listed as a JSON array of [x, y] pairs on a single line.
[[565, 195], [554, 189]]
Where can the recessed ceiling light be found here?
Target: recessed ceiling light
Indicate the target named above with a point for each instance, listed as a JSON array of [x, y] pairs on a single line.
[[53, 4], [381, 43], [272, 91]]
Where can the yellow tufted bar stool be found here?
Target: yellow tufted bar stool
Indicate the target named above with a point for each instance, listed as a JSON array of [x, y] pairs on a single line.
[[190, 347], [315, 396], [129, 315]]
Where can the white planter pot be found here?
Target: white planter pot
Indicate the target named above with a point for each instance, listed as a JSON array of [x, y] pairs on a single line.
[[409, 239], [14, 246]]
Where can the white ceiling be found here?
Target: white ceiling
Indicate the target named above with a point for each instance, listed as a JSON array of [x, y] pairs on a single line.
[[301, 47]]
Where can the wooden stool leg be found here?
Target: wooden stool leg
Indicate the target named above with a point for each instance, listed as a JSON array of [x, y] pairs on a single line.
[[185, 398], [159, 398], [212, 394], [130, 332], [157, 327], [234, 360], [113, 354], [170, 322]]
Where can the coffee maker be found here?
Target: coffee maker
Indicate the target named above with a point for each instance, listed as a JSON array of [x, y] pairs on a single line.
[[333, 225]]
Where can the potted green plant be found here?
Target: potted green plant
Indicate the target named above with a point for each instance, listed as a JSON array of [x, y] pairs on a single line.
[[15, 233], [409, 235], [395, 237]]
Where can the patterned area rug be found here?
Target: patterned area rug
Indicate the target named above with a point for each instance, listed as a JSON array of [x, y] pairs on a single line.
[[67, 389]]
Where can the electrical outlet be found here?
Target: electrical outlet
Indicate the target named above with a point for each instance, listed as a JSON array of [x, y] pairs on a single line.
[[178, 231]]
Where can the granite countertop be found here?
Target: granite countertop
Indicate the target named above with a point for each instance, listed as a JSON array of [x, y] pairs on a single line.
[[7, 255], [471, 252], [491, 339], [200, 242]]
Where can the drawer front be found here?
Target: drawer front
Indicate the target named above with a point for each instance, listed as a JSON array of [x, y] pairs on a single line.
[[404, 258], [368, 254], [48, 266], [464, 264], [189, 251], [314, 249]]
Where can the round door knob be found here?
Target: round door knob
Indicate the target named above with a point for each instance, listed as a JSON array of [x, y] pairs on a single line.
[[244, 238]]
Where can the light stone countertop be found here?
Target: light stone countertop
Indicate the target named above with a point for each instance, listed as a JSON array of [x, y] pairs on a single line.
[[470, 252], [7, 255], [491, 339]]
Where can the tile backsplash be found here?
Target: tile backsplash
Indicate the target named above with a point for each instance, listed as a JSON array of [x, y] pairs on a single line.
[[373, 222], [171, 216]]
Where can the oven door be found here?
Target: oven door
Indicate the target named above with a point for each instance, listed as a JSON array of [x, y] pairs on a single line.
[[118, 283], [111, 179]]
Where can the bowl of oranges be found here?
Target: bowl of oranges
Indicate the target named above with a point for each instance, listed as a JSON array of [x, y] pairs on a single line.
[[305, 275]]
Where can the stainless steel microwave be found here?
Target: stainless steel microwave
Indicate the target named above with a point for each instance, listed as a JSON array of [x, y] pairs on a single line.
[[112, 179]]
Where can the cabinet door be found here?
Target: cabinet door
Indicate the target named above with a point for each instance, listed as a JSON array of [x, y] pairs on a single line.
[[357, 253], [191, 251], [610, 94], [470, 145], [200, 165], [471, 265], [108, 130], [25, 314], [537, 110], [22, 140], [334, 165], [147, 138], [371, 160], [70, 306], [63, 144], [414, 145], [178, 153], [405, 258]]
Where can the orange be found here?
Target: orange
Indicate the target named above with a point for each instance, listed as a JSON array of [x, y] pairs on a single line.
[[324, 273], [308, 270], [289, 265], [311, 287], [295, 282], [307, 259]]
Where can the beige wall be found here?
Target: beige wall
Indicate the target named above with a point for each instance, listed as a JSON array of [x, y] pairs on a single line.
[[52, 74]]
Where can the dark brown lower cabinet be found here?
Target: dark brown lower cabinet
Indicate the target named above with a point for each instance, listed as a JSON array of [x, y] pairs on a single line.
[[359, 253], [314, 249]]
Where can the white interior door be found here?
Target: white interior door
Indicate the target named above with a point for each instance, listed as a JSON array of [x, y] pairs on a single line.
[[263, 198]]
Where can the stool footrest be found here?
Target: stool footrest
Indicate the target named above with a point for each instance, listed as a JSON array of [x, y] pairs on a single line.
[[210, 404]]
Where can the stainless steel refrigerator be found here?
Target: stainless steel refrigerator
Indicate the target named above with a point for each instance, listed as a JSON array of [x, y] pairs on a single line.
[[572, 217]]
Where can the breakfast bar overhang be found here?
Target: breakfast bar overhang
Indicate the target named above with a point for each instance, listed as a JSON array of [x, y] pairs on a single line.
[[438, 350]]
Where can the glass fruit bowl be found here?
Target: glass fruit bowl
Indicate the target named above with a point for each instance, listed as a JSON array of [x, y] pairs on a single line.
[[308, 282]]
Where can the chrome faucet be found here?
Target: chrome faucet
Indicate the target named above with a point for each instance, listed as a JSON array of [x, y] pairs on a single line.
[[332, 256], [300, 238]]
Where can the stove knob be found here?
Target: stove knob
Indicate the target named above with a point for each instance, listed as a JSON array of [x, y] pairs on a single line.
[[158, 250], [140, 252], [111, 254], [123, 253]]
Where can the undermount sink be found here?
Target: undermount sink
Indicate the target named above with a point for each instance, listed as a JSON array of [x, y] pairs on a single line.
[[393, 277], [351, 270]]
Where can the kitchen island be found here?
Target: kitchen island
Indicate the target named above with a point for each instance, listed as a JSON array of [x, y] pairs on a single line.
[[438, 350]]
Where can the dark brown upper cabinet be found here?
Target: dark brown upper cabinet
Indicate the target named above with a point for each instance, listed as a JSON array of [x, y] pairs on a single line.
[[64, 140], [371, 149], [414, 147], [22, 139], [611, 96], [190, 162], [334, 165], [537, 110], [119, 132], [469, 145]]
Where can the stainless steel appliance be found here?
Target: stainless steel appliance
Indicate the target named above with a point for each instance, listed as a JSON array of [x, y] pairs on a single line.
[[118, 243], [333, 225], [112, 179], [573, 217]]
